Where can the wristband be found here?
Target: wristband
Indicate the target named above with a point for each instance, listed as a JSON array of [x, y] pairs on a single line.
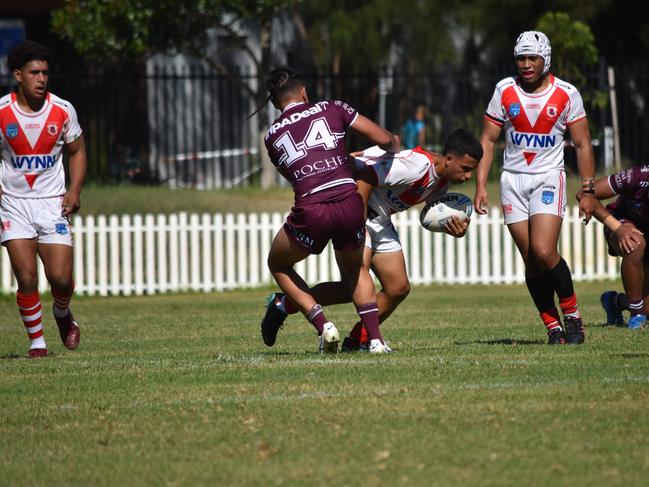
[[588, 186], [612, 223]]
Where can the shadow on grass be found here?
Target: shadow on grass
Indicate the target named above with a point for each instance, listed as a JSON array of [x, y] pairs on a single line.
[[633, 355], [603, 325], [503, 341], [14, 356], [11, 356]]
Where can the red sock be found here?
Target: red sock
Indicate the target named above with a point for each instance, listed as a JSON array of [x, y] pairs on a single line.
[[29, 307], [569, 306], [550, 319], [359, 333]]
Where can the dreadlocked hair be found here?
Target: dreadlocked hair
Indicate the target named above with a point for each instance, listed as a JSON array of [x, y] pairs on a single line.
[[280, 82]]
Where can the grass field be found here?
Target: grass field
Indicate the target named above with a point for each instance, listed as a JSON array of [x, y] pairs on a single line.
[[180, 390], [106, 200]]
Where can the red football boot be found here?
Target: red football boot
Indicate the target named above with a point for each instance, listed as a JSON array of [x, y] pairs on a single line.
[[37, 353]]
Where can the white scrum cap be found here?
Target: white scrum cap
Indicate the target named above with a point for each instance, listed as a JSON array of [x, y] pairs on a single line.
[[534, 43]]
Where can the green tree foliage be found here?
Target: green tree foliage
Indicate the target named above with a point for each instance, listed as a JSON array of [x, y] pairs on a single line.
[[573, 45], [114, 30], [366, 34]]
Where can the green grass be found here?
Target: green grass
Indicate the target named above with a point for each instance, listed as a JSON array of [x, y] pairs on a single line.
[[179, 390], [106, 200]]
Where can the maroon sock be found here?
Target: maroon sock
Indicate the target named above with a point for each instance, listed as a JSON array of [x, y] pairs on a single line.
[[369, 314], [636, 306], [317, 318]]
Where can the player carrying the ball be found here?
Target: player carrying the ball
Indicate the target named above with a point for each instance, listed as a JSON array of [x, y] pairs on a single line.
[[390, 183], [535, 109]]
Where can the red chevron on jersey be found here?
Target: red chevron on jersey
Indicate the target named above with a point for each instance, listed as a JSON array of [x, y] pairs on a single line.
[[31, 179], [48, 137], [551, 111], [32, 146], [534, 123], [513, 105]]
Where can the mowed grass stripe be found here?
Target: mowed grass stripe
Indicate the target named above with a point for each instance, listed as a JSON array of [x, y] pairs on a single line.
[[180, 390]]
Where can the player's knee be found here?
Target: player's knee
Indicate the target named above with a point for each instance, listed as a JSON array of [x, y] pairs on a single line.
[[61, 283], [27, 281], [637, 255], [398, 292], [546, 257]]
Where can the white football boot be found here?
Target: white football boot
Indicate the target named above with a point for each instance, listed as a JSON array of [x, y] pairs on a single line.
[[328, 341], [376, 346]]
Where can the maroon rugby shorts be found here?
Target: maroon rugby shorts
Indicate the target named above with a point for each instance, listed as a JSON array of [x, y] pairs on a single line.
[[342, 221]]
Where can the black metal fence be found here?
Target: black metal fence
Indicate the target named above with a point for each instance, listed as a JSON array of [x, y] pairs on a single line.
[[186, 126]]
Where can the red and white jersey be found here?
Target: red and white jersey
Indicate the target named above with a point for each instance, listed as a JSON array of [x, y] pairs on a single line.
[[405, 179], [535, 123], [32, 146]]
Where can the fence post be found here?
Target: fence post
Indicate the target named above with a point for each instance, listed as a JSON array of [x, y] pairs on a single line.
[[149, 233], [114, 255], [206, 242], [127, 263]]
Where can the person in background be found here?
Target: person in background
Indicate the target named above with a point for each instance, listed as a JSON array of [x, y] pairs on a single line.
[[414, 130]]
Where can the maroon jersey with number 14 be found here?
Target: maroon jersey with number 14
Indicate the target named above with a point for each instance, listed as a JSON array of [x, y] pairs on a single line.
[[306, 144]]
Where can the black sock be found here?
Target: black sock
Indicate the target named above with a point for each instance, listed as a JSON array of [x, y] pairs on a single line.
[[541, 290], [561, 279]]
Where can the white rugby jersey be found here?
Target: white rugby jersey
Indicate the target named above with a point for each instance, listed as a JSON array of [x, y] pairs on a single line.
[[32, 146], [404, 179], [535, 123]]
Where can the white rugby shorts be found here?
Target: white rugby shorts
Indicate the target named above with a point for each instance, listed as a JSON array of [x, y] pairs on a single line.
[[381, 236], [523, 195], [29, 218]]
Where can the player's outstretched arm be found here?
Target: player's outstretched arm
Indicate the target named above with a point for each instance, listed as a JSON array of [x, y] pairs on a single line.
[[78, 165], [488, 138], [376, 134]]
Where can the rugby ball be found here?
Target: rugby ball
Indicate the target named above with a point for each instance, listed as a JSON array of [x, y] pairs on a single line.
[[438, 212]]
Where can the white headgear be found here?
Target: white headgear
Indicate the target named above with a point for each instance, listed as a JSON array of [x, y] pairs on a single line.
[[534, 43]]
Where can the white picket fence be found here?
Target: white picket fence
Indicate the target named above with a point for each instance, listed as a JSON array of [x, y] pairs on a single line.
[[180, 252]]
